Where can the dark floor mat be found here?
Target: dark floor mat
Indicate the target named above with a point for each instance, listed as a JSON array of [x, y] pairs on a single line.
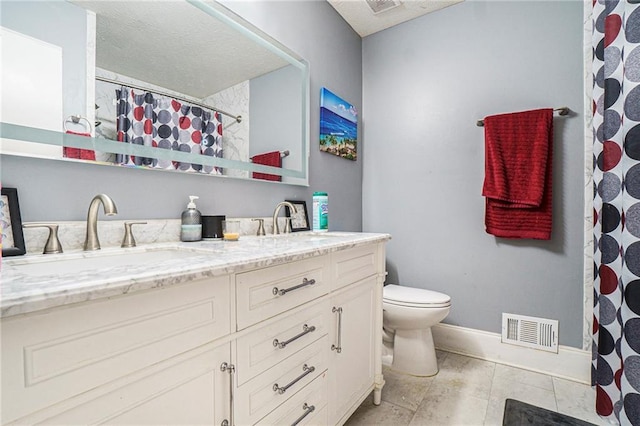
[[517, 413]]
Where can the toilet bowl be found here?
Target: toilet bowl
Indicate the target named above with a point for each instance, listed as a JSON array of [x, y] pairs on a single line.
[[408, 314]]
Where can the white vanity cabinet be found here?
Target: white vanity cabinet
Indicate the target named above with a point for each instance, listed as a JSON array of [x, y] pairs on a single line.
[[351, 316], [296, 342], [353, 348], [356, 309], [136, 358]]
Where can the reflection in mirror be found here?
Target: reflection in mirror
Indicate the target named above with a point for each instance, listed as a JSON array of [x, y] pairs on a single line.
[[180, 86]]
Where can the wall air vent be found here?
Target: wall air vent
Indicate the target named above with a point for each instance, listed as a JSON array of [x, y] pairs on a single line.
[[379, 6], [530, 332]]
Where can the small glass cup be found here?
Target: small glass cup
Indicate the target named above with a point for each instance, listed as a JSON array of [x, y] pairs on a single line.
[[231, 230]]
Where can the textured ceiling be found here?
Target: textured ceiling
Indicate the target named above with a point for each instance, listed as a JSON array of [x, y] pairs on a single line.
[[358, 14], [174, 45]]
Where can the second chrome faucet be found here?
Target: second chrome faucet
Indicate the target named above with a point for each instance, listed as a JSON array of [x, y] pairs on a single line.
[[276, 228], [91, 241]]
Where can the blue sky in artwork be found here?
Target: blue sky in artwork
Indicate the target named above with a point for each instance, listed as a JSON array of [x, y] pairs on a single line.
[[339, 106]]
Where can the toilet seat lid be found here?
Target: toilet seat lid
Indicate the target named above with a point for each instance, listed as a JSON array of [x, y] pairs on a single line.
[[414, 296]]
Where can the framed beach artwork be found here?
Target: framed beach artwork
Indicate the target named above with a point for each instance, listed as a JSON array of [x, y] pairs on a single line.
[[338, 126], [11, 223]]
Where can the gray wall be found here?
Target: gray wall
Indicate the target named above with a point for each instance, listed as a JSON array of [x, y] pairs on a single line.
[[55, 190], [425, 84]]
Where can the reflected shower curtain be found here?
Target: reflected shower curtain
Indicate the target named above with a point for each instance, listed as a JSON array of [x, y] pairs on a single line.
[[155, 121], [616, 149]]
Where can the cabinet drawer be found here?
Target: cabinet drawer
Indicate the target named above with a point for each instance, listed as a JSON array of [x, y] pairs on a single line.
[[51, 356], [257, 291], [313, 395], [256, 351], [258, 397], [350, 266]]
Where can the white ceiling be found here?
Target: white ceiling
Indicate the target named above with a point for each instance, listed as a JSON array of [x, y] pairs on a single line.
[[362, 19], [127, 31], [193, 53]]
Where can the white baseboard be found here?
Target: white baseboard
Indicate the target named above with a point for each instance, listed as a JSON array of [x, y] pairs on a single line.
[[569, 363]]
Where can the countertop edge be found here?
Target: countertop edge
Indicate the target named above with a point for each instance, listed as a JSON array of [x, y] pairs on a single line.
[[30, 302]]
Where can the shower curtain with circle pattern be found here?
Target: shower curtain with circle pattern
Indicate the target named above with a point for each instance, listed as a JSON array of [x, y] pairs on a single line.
[[156, 121], [616, 178]]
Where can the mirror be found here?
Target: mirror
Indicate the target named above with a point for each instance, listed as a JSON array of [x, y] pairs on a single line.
[[184, 86]]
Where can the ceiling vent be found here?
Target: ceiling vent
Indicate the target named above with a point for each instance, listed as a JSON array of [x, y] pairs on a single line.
[[379, 6]]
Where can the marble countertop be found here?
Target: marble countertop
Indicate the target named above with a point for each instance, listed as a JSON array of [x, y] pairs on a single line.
[[36, 282]]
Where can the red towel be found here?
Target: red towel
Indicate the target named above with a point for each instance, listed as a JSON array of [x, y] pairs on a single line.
[[518, 174], [268, 159], [81, 154]]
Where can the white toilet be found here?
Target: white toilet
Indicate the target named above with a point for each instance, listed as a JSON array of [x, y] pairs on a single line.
[[408, 314]]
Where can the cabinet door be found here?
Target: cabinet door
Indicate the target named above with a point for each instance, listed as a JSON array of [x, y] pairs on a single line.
[[188, 390], [54, 356], [352, 360], [202, 400]]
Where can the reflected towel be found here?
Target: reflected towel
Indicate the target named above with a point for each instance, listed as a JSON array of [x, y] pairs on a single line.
[[81, 154], [518, 174], [273, 159]]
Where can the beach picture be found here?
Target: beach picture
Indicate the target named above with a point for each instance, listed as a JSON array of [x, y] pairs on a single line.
[[338, 126]]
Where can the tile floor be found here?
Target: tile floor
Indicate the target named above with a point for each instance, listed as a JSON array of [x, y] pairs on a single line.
[[469, 391]]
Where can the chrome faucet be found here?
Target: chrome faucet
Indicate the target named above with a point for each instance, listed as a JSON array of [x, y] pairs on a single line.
[[276, 228], [91, 241]]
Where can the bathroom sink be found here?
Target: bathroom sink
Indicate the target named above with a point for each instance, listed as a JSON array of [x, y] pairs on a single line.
[[78, 263]]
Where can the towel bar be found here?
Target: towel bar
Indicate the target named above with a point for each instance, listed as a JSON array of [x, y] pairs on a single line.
[[561, 111], [77, 119], [282, 154]]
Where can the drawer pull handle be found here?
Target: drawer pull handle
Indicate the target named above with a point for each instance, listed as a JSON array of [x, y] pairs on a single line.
[[308, 409], [282, 292], [307, 370], [305, 330], [230, 368], [338, 348]]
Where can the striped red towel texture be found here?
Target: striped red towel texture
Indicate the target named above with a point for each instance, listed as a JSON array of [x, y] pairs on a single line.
[[79, 153], [273, 159], [518, 174]]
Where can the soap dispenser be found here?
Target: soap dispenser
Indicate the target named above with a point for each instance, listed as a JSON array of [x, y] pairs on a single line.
[[191, 229]]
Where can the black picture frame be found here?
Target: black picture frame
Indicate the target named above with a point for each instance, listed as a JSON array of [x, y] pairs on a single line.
[[11, 221], [299, 220]]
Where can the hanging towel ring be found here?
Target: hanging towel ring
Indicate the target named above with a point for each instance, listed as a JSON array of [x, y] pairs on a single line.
[[77, 119]]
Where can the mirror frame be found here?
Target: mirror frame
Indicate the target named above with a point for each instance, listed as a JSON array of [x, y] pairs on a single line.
[[226, 16]]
